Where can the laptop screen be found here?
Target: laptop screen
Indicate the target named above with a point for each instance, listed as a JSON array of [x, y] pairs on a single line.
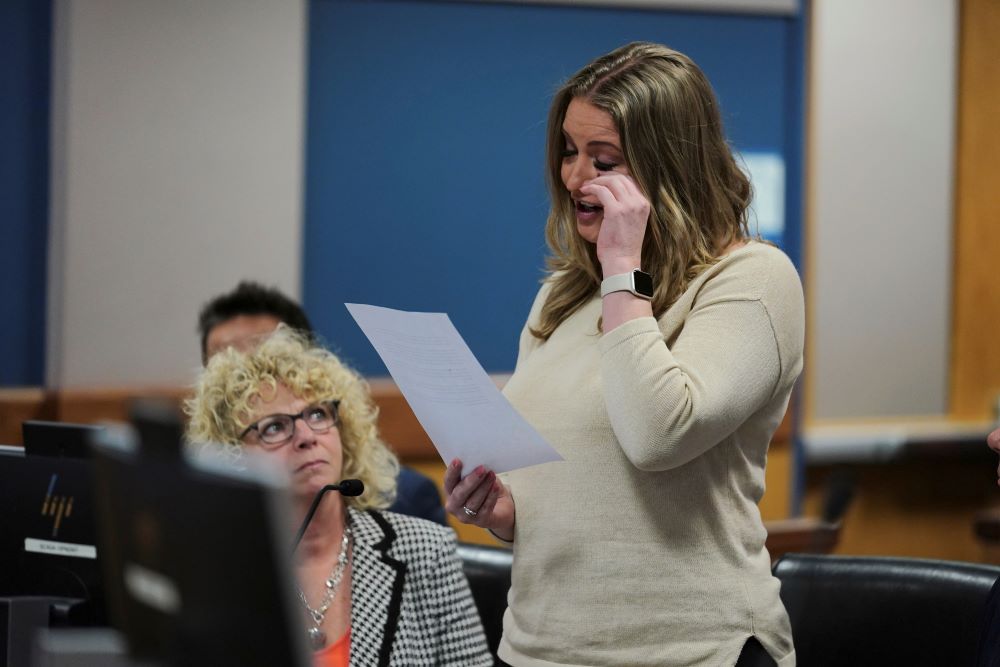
[[49, 540], [43, 438]]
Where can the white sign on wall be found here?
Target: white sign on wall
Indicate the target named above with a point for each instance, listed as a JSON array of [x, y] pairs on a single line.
[[767, 210]]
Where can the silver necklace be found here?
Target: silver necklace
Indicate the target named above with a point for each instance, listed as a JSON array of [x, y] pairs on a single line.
[[316, 635]]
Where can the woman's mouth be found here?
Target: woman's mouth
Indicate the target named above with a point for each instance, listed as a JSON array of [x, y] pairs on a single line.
[[308, 466], [587, 212]]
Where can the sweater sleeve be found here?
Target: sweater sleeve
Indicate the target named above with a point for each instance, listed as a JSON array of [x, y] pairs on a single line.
[[668, 405]]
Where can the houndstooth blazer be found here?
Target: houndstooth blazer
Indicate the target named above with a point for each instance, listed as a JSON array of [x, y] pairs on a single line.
[[410, 601]]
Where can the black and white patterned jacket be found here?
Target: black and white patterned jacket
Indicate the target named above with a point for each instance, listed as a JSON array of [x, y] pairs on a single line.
[[410, 600]]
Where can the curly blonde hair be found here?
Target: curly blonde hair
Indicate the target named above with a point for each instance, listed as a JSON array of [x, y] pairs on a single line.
[[671, 131], [221, 408]]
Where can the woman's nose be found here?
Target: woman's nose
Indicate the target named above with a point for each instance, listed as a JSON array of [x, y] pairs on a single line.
[[580, 171], [303, 436]]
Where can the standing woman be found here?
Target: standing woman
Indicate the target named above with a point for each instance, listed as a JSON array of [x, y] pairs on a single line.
[[658, 359], [377, 588]]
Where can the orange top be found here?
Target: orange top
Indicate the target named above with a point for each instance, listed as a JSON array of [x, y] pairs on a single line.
[[337, 654]]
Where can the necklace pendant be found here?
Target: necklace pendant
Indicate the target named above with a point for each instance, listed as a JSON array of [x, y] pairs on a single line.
[[317, 638]]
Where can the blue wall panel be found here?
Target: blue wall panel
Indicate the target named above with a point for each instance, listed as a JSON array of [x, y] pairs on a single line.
[[426, 122], [25, 29]]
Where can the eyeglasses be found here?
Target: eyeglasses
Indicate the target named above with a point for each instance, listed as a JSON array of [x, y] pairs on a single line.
[[275, 430]]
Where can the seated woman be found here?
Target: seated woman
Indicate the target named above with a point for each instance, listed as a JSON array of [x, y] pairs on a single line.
[[377, 588]]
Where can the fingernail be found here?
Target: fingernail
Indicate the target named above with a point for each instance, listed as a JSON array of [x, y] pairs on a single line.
[[480, 471]]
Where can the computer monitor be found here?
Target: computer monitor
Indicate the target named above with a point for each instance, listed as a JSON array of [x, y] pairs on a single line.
[[45, 438], [48, 534], [196, 557]]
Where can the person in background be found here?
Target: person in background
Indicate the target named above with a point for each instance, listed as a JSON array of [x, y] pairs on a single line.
[[376, 587], [248, 314], [245, 315], [658, 359]]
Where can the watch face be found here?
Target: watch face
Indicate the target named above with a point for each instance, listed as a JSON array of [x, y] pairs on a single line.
[[643, 283]]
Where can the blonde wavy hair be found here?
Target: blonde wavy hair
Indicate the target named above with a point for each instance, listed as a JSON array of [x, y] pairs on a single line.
[[221, 407], [671, 132]]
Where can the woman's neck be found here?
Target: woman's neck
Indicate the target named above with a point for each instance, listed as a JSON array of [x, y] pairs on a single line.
[[730, 247], [326, 528]]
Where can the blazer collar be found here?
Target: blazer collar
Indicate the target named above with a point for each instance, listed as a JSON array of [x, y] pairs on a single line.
[[377, 588]]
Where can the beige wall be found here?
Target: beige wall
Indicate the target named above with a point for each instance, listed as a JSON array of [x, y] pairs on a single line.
[[881, 104], [176, 170]]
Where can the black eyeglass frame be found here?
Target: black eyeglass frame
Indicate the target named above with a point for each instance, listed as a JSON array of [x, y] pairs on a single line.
[[333, 406]]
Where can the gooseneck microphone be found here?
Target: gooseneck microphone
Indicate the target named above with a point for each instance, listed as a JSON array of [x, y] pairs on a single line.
[[347, 487]]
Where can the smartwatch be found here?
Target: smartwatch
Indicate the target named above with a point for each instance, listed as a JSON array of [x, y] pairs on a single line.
[[635, 281]]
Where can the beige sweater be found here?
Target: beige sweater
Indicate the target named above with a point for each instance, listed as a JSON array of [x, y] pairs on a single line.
[[645, 546]]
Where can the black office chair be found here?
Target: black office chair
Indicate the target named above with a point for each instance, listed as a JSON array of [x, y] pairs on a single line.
[[488, 571], [884, 611]]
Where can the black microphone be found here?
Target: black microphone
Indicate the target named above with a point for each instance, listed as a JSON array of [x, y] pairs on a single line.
[[347, 487]]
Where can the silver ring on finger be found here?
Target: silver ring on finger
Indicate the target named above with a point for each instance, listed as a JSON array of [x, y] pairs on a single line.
[[468, 511]]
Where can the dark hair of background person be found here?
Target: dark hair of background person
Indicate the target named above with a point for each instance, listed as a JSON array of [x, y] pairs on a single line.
[[250, 298]]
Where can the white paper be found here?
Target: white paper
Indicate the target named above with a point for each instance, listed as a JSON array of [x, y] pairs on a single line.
[[454, 399]]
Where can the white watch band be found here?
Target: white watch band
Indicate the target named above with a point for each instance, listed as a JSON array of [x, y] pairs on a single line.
[[622, 282]]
